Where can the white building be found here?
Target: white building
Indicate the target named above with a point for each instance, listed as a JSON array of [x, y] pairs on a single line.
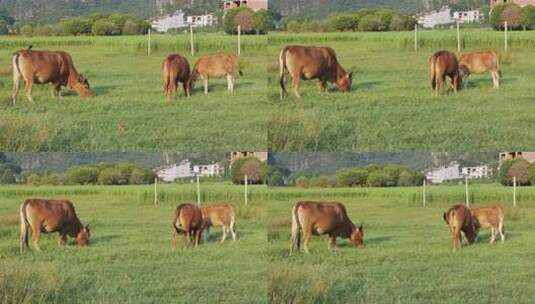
[[474, 16], [208, 170], [169, 22], [444, 173], [483, 171], [176, 171], [201, 20], [434, 18]]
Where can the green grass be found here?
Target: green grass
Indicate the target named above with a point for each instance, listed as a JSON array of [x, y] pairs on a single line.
[[130, 259], [391, 107], [408, 256], [129, 112]]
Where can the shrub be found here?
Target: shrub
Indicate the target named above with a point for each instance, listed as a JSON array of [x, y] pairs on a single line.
[[45, 30], [380, 178], [351, 177], [33, 179], [7, 177], [76, 26], [229, 24], [112, 176], [293, 26], [104, 27], [140, 176], [302, 182], [119, 20], [250, 166], [4, 28], [344, 22], [509, 12], [26, 30], [130, 28], [528, 17], [510, 168], [262, 21], [82, 175], [370, 23], [245, 19]]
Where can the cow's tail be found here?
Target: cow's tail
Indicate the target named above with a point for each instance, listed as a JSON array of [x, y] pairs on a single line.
[[176, 227], [296, 229], [433, 72], [24, 225], [283, 68], [166, 77]]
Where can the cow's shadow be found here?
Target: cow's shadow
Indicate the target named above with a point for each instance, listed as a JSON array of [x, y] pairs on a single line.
[[103, 90], [103, 239], [213, 87]]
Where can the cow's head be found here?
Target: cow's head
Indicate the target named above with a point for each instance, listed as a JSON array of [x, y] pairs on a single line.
[[464, 72], [81, 85], [357, 237], [83, 236], [344, 83]]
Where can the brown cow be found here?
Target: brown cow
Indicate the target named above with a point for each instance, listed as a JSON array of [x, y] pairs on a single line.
[[320, 218], [188, 220], [490, 217], [220, 215], [176, 69], [442, 64], [481, 62], [46, 216], [217, 66], [307, 62], [40, 67], [459, 219]]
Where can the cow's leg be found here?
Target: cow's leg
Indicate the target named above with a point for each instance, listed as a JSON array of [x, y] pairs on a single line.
[[62, 239], [206, 86], [230, 83], [36, 235], [492, 235], [29, 88], [296, 82], [198, 234], [500, 230], [496, 79], [55, 90], [185, 88], [332, 243], [224, 233], [322, 86], [231, 228], [175, 234], [456, 239], [307, 234]]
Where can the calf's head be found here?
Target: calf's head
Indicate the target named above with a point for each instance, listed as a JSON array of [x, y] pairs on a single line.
[[82, 87], [344, 83], [83, 236], [357, 236]]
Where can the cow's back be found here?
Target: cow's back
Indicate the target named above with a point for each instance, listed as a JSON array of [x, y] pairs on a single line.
[[318, 59], [479, 62], [217, 65], [326, 216], [488, 217], [176, 66], [219, 215]]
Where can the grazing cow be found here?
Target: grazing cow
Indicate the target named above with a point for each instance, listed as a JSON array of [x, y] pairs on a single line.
[[444, 64], [176, 69], [220, 215], [304, 62], [490, 217], [217, 66], [320, 218], [46, 216], [40, 67], [481, 62], [188, 220], [459, 219]]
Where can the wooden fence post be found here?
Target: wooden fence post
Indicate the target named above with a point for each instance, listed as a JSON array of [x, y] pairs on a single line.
[[514, 191], [416, 37], [191, 40], [246, 194], [458, 38]]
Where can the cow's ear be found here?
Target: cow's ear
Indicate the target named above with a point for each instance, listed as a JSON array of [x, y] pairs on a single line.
[[86, 227], [350, 75], [361, 228]]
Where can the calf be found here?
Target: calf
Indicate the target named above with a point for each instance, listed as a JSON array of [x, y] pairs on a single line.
[[217, 66], [187, 220], [40, 67], [481, 62], [320, 218], [176, 69], [490, 217], [459, 219], [220, 215], [47, 216], [305, 62], [444, 64]]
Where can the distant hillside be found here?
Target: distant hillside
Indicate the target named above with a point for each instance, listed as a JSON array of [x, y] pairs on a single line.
[[53, 10], [322, 8]]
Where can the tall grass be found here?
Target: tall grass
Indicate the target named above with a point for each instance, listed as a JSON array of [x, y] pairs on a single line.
[[23, 283]]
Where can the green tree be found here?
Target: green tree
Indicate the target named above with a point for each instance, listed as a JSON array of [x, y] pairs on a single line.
[[104, 27], [112, 176], [4, 28], [351, 177], [131, 28], [245, 19], [229, 24], [33, 179], [380, 178], [302, 182], [370, 23], [344, 22], [76, 26], [293, 26], [7, 177], [518, 168], [250, 166], [262, 21], [26, 30], [82, 175], [140, 176], [528, 17]]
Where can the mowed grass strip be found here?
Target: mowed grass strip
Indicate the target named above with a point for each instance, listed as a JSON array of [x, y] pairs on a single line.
[[391, 107], [408, 256], [129, 111], [130, 258]]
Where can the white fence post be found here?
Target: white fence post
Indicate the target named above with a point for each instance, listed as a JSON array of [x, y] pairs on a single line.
[[156, 192], [506, 37], [191, 40], [149, 43], [198, 192], [239, 40], [514, 191], [416, 37], [246, 194], [466, 190], [424, 194]]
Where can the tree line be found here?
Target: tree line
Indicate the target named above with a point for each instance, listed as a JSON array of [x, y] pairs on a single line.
[[517, 18]]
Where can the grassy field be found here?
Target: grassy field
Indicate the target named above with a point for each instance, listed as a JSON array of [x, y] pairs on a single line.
[[129, 112], [130, 259], [408, 256], [391, 107]]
